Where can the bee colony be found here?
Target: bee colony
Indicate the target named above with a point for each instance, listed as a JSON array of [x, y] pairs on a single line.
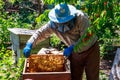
[[48, 63]]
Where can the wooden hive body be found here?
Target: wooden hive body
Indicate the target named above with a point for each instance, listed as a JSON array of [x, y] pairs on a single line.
[[63, 75], [46, 67]]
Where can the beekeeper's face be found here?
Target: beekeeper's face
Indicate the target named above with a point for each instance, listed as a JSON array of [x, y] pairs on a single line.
[[64, 27]]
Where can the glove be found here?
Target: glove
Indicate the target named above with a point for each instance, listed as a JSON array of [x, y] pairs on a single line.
[[27, 49], [68, 51]]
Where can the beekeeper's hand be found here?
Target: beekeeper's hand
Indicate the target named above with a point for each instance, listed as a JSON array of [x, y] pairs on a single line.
[[27, 49], [68, 51]]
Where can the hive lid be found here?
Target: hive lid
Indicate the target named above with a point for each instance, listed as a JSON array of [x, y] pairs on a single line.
[[50, 51]]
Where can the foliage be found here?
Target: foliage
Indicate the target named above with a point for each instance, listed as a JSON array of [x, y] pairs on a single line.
[[103, 76], [27, 12], [59, 1], [11, 1], [6, 22], [22, 17], [42, 19], [8, 70], [104, 17], [56, 42], [1, 4]]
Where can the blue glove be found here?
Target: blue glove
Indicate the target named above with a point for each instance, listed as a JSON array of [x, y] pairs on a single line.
[[27, 49], [68, 51]]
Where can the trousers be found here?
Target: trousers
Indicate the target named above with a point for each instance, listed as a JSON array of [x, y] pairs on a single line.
[[87, 61]]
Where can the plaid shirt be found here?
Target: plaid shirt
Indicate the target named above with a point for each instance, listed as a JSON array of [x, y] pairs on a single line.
[[71, 37]]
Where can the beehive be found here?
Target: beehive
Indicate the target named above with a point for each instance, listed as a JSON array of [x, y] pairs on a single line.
[[46, 64], [61, 75]]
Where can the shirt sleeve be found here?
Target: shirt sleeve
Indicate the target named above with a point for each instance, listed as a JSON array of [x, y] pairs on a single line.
[[88, 37], [41, 34]]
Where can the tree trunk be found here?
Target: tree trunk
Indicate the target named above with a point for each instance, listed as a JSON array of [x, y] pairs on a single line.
[[39, 6]]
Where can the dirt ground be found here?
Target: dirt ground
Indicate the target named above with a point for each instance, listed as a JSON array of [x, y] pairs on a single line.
[[106, 62], [105, 66]]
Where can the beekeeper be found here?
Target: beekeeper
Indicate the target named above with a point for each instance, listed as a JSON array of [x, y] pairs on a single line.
[[71, 25]]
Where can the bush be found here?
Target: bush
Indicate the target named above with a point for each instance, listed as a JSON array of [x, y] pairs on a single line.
[[8, 70]]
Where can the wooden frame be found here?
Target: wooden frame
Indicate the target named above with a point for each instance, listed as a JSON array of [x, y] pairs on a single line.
[[45, 75]]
